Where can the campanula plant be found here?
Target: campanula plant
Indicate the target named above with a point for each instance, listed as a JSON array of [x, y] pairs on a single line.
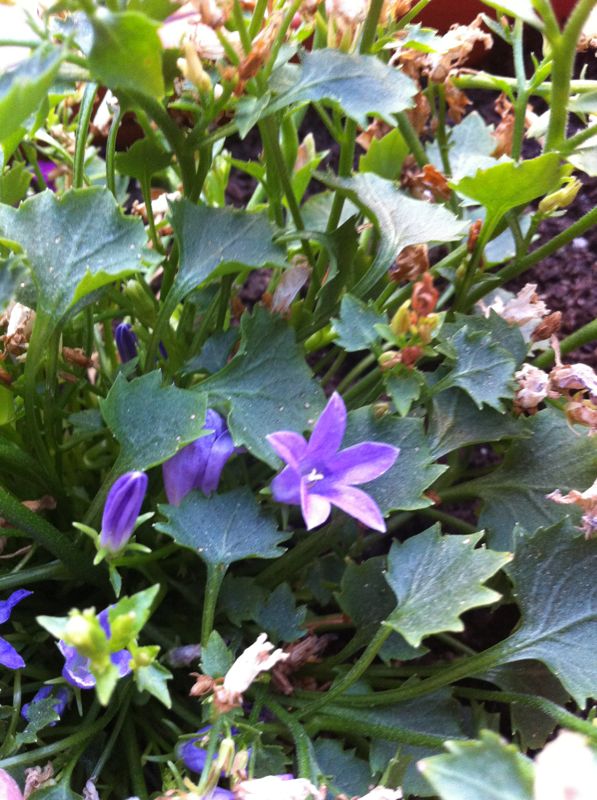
[[277, 278]]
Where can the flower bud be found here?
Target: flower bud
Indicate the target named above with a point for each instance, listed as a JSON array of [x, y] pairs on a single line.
[[145, 307], [389, 360], [400, 322], [192, 68], [561, 198], [121, 510], [126, 342], [84, 632], [225, 757], [9, 789]]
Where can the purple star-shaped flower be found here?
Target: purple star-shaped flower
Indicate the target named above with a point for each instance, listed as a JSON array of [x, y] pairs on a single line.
[[319, 475], [8, 655], [76, 667]]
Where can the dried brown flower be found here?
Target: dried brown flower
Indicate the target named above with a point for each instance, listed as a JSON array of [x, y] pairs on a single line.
[[425, 296], [412, 262], [305, 651]]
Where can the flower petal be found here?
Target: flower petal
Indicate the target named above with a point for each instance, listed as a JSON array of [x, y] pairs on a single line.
[[290, 446], [6, 606], [76, 668], [329, 431], [122, 661], [356, 503], [9, 656], [286, 487], [316, 509], [184, 471], [222, 449], [363, 462]]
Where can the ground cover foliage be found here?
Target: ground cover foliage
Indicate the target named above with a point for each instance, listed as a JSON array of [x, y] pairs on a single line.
[[337, 540]]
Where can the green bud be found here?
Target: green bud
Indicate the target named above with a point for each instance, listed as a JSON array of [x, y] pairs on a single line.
[[84, 632], [144, 305], [561, 198]]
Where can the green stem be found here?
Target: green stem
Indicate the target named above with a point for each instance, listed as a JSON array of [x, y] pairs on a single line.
[[52, 571], [301, 740], [354, 373], [579, 138], [213, 584], [14, 716], [412, 140], [584, 335], [134, 758], [353, 675], [374, 730], [370, 26], [522, 95], [85, 113], [497, 83], [448, 519], [109, 746], [563, 717], [313, 544]]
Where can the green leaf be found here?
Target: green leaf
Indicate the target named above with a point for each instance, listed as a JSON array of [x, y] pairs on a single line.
[[14, 184], [280, 617], [126, 52], [494, 328], [356, 325], [105, 683], [240, 598], [481, 368], [553, 574], [74, 244], [219, 241], [151, 422], [585, 157], [129, 615], [359, 84], [346, 772], [404, 387], [400, 220], [143, 158], [436, 579], [523, 9], [266, 387], [216, 658], [24, 88], [385, 156], [512, 184], [471, 145], [557, 456], [401, 487], [153, 679], [455, 421], [223, 528], [490, 769], [40, 715], [58, 791]]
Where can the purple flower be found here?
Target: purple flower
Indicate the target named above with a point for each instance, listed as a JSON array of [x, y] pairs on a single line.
[[199, 465], [318, 474], [76, 667], [60, 695], [194, 756], [8, 655], [121, 510], [126, 342]]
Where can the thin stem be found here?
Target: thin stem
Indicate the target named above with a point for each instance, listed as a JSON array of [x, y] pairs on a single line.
[[134, 758], [579, 138], [412, 140], [370, 26], [354, 373], [374, 730], [82, 134], [54, 570], [312, 545], [301, 740], [584, 335], [522, 95], [213, 584], [15, 714], [496, 83], [448, 519]]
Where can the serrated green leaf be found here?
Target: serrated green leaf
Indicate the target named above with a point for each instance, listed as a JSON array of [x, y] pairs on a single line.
[[436, 579], [216, 658], [126, 52], [39, 715], [151, 422], [280, 617], [345, 771], [471, 145], [24, 88], [400, 220], [455, 421], [74, 244], [240, 598], [556, 456], [219, 241], [359, 84], [266, 387], [490, 769], [481, 368], [385, 156], [404, 387], [153, 679], [553, 574], [223, 528], [401, 487], [355, 327], [496, 329], [511, 184], [143, 158]]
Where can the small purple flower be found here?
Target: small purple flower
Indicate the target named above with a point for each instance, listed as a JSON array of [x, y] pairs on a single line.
[[193, 755], [60, 695], [126, 342], [318, 474], [199, 465], [76, 667], [121, 510], [8, 655]]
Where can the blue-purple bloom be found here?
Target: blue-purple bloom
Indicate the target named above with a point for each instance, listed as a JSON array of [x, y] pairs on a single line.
[[194, 756], [60, 694], [199, 465], [121, 510], [319, 475], [8, 655], [76, 667], [126, 342]]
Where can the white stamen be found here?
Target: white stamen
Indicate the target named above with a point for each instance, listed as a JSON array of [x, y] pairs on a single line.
[[314, 476]]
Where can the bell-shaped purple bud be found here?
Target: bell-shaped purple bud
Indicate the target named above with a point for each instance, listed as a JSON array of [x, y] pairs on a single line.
[[121, 510], [199, 465], [126, 342]]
